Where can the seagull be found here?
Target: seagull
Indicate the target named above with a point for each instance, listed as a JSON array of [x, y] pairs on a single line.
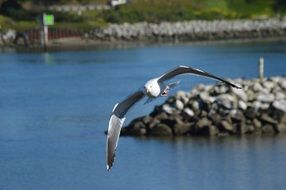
[[153, 89]]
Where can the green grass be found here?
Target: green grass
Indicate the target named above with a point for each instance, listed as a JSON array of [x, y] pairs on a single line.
[[5, 23], [154, 11], [24, 25], [177, 10]]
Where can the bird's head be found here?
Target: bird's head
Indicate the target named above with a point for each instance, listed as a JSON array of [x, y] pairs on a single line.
[[152, 88]]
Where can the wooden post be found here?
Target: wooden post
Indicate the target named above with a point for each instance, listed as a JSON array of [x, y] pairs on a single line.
[[261, 69], [46, 36]]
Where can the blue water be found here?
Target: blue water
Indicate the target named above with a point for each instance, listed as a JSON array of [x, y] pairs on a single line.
[[54, 109]]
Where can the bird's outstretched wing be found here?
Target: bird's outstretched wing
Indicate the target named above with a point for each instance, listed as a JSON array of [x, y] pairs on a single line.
[[115, 123], [189, 70]]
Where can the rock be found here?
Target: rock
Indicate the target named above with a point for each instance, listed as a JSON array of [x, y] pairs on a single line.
[[281, 128], [204, 106], [264, 106], [266, 98], [237, 116], [243, 128], [257, 87], [153, 123], [226, 126], [170, 121], [216, 118], [250, 112], [195, 107], [275, 79], [179, 105], [204, 122], [162, 116], [188, 112], [9, 35], [282, 84], [241, 95], [213, 131], [204, 96], [181, 95], [221, 89], [136, 121], [147, 119], [242, 105], [161, 130], [136, 129], [204, 127], [223, 112], [279, 96], [268, 120], [203, 114], [257, 105], [278, 111], [282, 119], [200, 87], [268, 85], [168, 109], [251, 95], [225, 100], [181, 128], [280, 105], [256, 123], [269, 129], [171, 100]]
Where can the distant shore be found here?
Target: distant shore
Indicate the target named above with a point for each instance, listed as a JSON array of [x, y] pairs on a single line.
[[118, 35]]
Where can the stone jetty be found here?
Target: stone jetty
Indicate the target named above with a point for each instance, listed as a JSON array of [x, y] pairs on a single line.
[[192, 30], [218, 110]]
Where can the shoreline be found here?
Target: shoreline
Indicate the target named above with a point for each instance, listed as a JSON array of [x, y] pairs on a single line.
[[78, 44], [197, 31]]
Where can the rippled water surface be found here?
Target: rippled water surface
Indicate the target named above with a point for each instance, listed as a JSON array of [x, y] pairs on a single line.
[[54, 108]]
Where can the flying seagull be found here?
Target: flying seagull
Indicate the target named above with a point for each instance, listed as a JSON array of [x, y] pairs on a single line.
[[152, 89]]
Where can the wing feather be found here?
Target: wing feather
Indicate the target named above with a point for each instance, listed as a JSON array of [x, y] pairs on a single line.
[[115, 123], [189, 70], [113, 133]]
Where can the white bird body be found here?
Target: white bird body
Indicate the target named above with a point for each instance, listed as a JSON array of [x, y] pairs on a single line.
[[152, 89]]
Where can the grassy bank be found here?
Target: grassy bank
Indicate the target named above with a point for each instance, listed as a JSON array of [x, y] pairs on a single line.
[[153, 11], [177, 10]]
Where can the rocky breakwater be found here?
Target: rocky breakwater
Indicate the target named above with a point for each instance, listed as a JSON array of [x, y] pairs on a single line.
[[260, 107], [191, 30]]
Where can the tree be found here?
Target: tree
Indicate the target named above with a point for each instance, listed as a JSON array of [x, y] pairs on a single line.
[[9, 7]]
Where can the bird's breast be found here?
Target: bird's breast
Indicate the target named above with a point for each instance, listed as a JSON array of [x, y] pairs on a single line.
[[155, 91]]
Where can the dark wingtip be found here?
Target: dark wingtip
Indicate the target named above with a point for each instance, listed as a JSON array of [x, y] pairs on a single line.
[[235, 86], [110, 163], [108, 166]]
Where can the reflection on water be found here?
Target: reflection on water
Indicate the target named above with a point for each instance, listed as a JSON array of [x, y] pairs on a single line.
[[49, 58], [54, 108]]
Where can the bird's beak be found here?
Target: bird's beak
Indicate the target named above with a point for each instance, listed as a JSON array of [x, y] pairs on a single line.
[[146, 90]]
